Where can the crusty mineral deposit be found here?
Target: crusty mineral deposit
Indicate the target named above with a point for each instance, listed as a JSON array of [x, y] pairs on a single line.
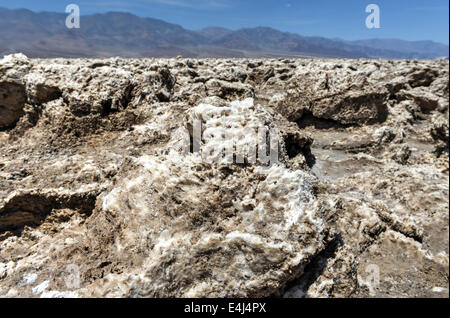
[[102, 193]]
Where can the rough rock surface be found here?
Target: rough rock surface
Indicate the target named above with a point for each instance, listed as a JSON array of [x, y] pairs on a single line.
[[103, 194]]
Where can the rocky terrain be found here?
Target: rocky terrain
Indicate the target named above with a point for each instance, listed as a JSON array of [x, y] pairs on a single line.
[[104, 193]]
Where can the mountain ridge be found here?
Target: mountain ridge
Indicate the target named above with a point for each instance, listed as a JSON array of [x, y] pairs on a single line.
[[44, 34]]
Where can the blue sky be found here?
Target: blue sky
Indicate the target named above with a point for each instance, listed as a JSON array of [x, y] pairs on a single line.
[[404, 19]]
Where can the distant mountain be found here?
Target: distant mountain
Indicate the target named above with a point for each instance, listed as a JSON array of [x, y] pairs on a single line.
[[122, 34], [418, 48], [214, 33], [45, 35], [270, 40]]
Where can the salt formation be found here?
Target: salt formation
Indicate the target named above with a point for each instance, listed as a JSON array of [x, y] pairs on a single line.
[[198, 233], [208, 229], [106, 188]]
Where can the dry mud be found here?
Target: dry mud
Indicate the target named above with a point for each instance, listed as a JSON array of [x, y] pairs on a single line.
[[102, 195]]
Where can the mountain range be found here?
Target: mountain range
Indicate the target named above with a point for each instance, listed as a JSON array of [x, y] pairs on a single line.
[[45, 35]]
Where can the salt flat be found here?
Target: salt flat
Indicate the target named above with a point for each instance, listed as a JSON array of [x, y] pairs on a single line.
[[102, 193]]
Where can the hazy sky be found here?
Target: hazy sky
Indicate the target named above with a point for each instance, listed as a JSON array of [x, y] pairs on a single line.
[[404, 19]]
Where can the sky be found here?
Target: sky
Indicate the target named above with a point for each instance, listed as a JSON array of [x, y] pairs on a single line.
[[403, 19]]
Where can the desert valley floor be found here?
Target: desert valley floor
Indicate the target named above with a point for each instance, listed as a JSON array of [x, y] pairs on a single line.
[[102, 195]]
